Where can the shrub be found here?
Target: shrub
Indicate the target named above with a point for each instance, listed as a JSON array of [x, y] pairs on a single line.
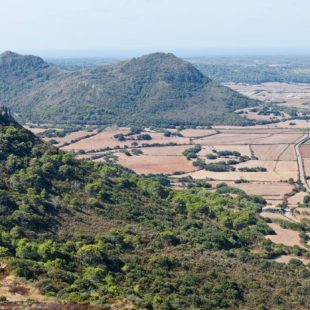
[[144, 136], [211, 156], [120, 137], [192, 152]]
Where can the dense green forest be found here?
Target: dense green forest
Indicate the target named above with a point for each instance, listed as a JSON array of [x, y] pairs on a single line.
[[157, 89], [98, 233], [255, 69]]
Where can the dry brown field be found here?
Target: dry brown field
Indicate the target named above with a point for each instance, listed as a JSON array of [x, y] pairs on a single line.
[[286, 170], [72, 136], [195, 133], [299, 124], [284, 138], [249, 138], [106, 139], [166, 164], [37, 130], [305, 150], [286, 258], [242, 149], [165, 150], [284, 236], [294, 200], [289, 154], [26, 291], [269, 151], [276, 190], [231, 139], [271, 190], [158, 137], [262, 131], [103, 139], [276, 172]]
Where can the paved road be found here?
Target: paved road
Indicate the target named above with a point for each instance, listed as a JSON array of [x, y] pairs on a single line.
[[301, 169]]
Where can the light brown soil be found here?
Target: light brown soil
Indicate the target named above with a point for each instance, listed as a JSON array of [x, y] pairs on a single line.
[[227, 139], [284, 236], [268, 152], [305, 150], [106, 139], [165, 150], [15, 290], [270, 189], [307, 165], [286, 258], [297, 198], [37, 130], [289, 154], [288, 138], [194, 133], [287, 170], [103, 139], [156, 164], [242, 149], [299, 123], [249, 138], [158, 137], [72, 136], [279, 127], [269, 176]]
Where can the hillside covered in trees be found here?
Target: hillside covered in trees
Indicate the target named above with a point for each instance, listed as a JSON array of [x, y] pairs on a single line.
[[96, 233], [157, 89]]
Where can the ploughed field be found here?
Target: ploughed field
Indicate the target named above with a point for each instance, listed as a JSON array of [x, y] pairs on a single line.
[[261, 160]]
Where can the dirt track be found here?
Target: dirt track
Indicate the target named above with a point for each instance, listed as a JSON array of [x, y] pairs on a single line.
[[300, 162]]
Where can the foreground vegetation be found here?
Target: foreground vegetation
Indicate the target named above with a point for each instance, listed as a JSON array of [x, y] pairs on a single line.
[[98, 233]]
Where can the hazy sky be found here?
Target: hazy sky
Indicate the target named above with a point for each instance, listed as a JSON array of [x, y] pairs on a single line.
[[110, 27]]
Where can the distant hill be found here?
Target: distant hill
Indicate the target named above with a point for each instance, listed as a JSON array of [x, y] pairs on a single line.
[[99, 234], [156, 89]]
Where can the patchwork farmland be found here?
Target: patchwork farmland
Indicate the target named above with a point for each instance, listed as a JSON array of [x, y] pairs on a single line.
[[260, 160]]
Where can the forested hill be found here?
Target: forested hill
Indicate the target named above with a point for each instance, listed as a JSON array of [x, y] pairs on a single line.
[[157, 89], [96, 233]]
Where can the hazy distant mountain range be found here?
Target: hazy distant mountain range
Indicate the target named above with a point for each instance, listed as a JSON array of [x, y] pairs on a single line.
[[157, 89]]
